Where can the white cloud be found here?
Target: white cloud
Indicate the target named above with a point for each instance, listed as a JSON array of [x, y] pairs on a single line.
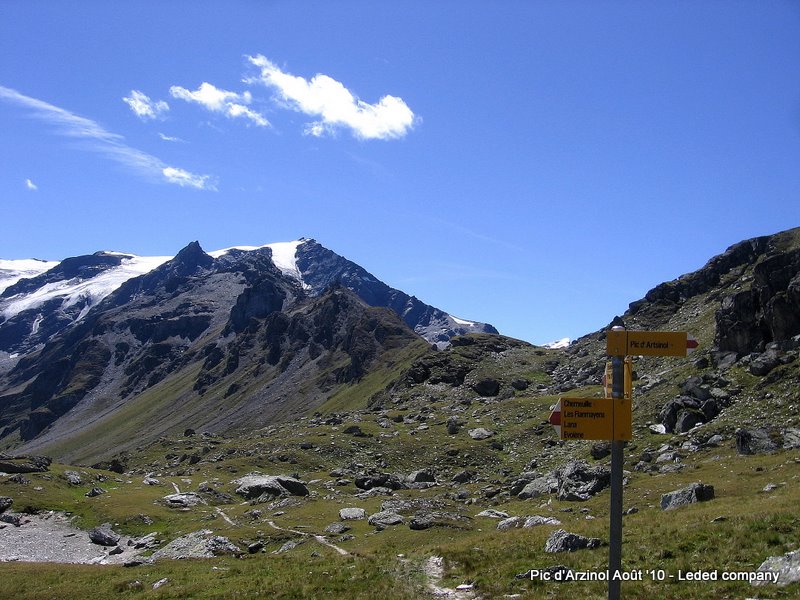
[[169, 138], [214, 99], [143, 107], [30, 185], [187, 179], [335, 105], [109, 145]]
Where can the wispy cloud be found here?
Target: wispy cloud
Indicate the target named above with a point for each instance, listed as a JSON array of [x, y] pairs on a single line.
[[335, 105], [169, 138], [145, 108], [214, 99], [110, 145], [30, 185]]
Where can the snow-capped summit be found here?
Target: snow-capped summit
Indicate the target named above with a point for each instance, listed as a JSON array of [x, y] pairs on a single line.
[[38, 299]]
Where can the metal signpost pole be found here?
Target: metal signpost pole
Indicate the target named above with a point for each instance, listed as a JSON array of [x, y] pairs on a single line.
[[617, 458]]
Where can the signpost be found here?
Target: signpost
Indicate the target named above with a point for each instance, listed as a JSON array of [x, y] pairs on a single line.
[[592, 419], [649, 343], [610, 418]]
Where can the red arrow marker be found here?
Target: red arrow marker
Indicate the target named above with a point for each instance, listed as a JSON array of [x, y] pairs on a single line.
[[691, 344], [555, 418]]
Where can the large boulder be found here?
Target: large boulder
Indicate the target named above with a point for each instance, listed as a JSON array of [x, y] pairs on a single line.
[[480, 433], [696, 492], [352, 514], [183, 500], [786, 568], [563, 541], [580, 481], [385, 518], [199, 544], [254, 485], [104, 535], [754, 441]]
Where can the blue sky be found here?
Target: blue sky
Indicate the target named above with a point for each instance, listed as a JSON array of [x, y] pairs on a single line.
[[535, 165]]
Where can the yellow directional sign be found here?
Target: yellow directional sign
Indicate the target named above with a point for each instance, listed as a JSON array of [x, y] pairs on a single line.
[[593, 418], [649, 343]]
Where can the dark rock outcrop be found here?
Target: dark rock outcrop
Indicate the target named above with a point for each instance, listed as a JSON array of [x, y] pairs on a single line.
[[696, 492], [563, 541]]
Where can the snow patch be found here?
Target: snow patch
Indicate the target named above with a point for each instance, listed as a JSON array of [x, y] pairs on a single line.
[[11, 271], [284, 256], [88, 291], [462, 321], [562, 343]]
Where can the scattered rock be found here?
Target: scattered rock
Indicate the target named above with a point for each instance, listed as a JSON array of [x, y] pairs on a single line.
[[95, 491], [754, 441], [493, 514], [791, 438], [160, 582], [337, 528], [764, 363], [787, 568], [579, 481], [5, 503], [480, 433], [183, 500], [72, 477], [464, 476], [198, 544], [600, 450], [352, 514], [255, 547], [487, 387], [510, 523], [563, 541], [536, 520], [422, 476], [385, 518], [24, 464], [696, 492], [104, 536], [255, 485]]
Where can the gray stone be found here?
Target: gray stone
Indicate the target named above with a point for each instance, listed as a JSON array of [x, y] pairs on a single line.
[[183, 500], [687, 419], [95, 491], [385, 518], [791, 438], [492, 514], [786, 567], [536, 520], [696, 492], [510, 523], [72, 477], [422, 476], [352, 514], [463, 476], [715, 440], [764, 363], [5, 503], [337, 528], [579, 481], [254, 485], [487, 387], [198, 544], [480, 433], [563, 541], [539, 487], [104, 536], [754, 441]]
